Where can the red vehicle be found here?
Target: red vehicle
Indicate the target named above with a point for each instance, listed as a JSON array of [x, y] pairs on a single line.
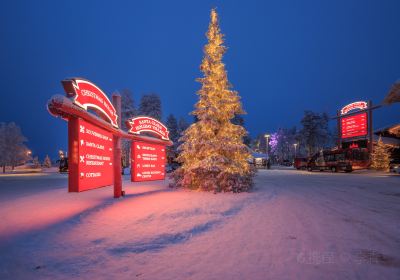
[[330, 160], [340, 160], [300, 163], [359, 158]]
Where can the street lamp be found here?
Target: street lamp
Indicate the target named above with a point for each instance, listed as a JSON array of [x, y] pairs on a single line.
[[295, 149], [267, 144]]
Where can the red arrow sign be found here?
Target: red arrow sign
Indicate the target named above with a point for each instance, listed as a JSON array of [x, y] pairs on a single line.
[[87, 95], [143, 123]]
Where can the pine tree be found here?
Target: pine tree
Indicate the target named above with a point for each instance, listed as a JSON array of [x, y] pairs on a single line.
[[150, 105], [213, 155], [173, 129], [128, 110], [36, 162], [47, 162], [172, 126], [380, 156], [182, 125]]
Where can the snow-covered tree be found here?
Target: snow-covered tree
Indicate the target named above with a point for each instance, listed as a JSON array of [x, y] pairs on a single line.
[[150, 105], [172, 126], [282, 143], [182, 125], [128, 110], [213, 155], [12, 148], [173, 129], [36, 162], [47, 162], [393, 95], [315, 131], [380, 156], [3, 155]]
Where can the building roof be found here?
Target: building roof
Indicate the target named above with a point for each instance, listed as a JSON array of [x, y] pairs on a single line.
[[392, 131]]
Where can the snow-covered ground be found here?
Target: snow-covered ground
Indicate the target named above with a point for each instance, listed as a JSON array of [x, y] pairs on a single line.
[[294, 225]]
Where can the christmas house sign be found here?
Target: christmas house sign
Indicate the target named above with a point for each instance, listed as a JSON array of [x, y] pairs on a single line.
[[360, 105], [87, 95]]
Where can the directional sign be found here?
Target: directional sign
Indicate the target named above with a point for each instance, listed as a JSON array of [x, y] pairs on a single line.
[[142, 123], [148, 162], [354, 126], [87, 95], [92, 156]]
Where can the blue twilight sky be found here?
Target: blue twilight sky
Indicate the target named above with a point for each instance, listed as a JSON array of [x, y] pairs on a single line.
[[284, 56]]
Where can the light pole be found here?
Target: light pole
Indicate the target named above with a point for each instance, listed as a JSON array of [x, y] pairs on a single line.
[[295, 149], [267, 144]]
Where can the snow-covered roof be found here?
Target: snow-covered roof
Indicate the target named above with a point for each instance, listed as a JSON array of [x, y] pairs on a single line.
[[387, 140], [259, 155]]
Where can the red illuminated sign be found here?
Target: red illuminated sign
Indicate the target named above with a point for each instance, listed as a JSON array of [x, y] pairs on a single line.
[[91, 156], [148, 162], [87, 95], [354, 126], [138, 124], [361, 105]]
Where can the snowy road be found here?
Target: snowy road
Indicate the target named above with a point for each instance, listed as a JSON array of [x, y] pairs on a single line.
[[294, 225]]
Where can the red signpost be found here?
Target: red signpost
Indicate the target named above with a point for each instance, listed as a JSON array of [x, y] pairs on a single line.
[[94, 140], [91, 156], [147, 161]]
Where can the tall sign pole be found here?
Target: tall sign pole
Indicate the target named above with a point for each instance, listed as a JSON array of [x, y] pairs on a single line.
[[339, 130], [73, 155], [116, 99], [371, 131]]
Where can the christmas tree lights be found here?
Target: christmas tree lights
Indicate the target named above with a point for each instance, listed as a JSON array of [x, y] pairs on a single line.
[[213, 155]]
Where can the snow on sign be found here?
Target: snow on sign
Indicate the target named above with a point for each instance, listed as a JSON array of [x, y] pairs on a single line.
[[91, 156], [148, 162], [87, 95], [354, 126], [142, 123]]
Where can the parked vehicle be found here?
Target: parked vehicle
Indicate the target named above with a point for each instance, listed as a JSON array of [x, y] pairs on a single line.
[[260, 160], [395, 166], [300, 163], [63, 165], [330, 160], [286, 162], [359, 157]]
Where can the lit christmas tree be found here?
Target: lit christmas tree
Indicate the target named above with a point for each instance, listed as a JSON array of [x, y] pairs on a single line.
[[380, 157], [47, 162], [213, 155]]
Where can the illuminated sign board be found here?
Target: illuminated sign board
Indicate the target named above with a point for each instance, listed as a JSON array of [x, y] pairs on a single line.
[[142, 123], [354, 126], [148, 162], [87, 95], [360, 105], [91, 156]]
